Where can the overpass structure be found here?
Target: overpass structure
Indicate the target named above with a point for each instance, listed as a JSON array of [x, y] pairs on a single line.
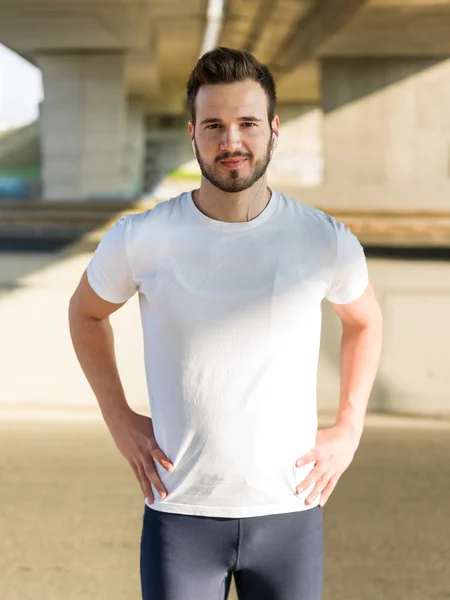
[[364, 101], [363, 92]]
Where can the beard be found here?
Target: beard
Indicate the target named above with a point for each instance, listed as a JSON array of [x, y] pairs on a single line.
[[233, 182]]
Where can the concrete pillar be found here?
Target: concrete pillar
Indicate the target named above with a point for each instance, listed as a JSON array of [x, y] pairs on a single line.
[[298, 158], [83, 126], [386, 120]]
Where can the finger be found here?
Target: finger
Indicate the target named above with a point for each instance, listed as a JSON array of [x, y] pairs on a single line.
[[136, 472], [329, 489], [153, 477], [145, 483], [312, 478], [161, 458], [306, 458], [318, 488]]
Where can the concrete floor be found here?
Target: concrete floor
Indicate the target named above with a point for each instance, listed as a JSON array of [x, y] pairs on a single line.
[[71, 514]]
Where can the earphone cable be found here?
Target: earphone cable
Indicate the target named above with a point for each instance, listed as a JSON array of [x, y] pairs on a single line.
[[257, 193]]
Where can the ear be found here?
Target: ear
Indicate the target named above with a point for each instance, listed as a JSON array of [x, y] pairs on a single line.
[[276, 126], [191, 128]]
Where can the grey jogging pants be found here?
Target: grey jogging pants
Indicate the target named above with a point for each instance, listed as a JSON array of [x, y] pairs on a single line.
[[274, 557]]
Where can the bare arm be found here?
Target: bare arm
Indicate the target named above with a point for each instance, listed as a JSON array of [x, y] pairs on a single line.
[[362, 324], [360, 354], [93, 341]]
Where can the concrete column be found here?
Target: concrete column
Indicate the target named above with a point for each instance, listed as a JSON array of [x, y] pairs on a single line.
[[83, 126], [298, 158], [386, 120]]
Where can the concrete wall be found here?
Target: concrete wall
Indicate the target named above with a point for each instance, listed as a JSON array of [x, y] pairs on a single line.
[[432, 197], [414, 375], [386, 120]]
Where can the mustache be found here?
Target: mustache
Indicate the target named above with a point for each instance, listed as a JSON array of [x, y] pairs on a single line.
[[229, 156]]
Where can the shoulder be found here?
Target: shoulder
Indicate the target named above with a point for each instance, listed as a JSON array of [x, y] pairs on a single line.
[[310, 213], [315, 221], [160, 211], [138, 224]]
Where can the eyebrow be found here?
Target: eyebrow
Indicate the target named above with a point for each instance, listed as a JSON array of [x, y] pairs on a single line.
[[216, 120]]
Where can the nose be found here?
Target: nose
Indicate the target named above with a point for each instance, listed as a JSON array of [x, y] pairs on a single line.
[[231, 139]]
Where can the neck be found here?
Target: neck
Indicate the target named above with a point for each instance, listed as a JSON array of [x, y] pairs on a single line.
[[232, 207]]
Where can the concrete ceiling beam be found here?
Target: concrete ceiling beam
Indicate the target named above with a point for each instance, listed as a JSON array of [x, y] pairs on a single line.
[[325, 18]]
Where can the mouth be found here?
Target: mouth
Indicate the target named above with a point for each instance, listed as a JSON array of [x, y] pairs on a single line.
[[235, 163]]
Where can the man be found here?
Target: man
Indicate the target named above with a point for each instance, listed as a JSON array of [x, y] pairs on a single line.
[[231, 277]]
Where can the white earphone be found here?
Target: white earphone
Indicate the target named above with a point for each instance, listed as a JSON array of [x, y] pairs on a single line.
[[274, 143]]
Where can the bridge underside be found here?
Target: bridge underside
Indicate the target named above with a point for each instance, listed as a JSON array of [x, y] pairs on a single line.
[[365, 75], [364, 104]]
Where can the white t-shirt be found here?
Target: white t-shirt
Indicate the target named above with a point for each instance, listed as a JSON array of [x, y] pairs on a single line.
[[231, 317]]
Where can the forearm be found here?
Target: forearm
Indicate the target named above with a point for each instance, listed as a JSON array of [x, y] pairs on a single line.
[[360, 357], [93, 341]]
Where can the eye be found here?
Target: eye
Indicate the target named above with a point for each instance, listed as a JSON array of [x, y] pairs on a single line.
[[249, 123], [213, 126]]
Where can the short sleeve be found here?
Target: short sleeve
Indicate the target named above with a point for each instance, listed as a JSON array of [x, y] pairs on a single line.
[[109, 272], [350, 277]]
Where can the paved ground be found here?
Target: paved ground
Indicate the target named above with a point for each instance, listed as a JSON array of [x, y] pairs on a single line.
[[71, 514]]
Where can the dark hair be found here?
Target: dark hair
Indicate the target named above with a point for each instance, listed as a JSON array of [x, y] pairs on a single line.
[[226, 65]]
